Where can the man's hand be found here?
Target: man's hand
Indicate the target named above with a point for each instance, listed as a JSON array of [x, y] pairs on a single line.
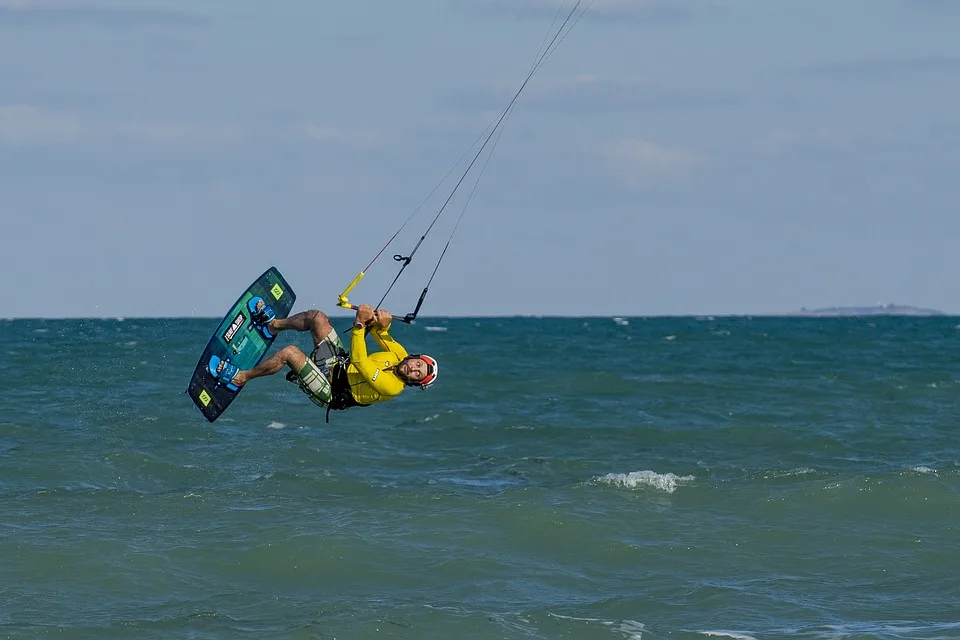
[[382, 318], [364, 314]]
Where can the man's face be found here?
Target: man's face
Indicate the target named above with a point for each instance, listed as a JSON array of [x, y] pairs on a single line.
[[413, 369]]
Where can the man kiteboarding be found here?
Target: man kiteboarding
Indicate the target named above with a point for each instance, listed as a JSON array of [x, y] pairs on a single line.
[[330, 376]]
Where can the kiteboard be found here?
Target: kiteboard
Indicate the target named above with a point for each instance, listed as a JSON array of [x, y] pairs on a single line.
[[238, 340]]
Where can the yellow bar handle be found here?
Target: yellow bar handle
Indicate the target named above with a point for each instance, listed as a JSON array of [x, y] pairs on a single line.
[[342, 298]]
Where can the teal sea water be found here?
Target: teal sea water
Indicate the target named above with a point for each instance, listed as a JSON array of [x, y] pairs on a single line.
[[602, 478]]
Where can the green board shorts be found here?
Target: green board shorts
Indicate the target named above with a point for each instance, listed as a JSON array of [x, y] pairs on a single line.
[[315, 375]]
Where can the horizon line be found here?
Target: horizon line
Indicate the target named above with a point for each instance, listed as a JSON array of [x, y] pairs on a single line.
[[611, 316]]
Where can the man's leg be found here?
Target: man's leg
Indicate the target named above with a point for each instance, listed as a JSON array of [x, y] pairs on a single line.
[[290, 356], [316, 322]]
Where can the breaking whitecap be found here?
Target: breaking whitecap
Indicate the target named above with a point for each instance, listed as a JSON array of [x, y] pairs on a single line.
[[667, 482]]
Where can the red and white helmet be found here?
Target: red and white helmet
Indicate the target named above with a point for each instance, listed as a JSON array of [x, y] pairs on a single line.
[[433, 370]]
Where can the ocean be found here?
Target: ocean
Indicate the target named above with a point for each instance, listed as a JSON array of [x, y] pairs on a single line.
[[566, 478]]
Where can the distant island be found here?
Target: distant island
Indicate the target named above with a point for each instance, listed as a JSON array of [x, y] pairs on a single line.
[[876, 310]]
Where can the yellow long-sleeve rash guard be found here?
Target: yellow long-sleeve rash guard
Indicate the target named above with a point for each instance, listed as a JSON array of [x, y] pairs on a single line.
[[369, 382]]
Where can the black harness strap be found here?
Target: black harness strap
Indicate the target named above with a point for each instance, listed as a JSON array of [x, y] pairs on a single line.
[[341, 397]]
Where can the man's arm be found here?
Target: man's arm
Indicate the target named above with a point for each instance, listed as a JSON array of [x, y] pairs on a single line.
[[381, 325], [384, 384], [387, 343]]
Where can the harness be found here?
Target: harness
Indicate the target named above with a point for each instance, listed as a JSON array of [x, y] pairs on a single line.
[[341, 398]]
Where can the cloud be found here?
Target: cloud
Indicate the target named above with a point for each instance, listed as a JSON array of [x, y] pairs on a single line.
[[24, 124], [871, 68], [645, 10], [653, 11], [27, 125], [348, 138], [916, 140], [640, 163], [587, 92], [783, 141], [177, 133], [933, 5], [22, 13]]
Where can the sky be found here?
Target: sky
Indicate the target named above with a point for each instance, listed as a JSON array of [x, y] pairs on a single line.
[[671, 157]]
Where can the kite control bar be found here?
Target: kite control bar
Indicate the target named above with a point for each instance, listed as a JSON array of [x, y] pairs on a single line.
[[342, 301]]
